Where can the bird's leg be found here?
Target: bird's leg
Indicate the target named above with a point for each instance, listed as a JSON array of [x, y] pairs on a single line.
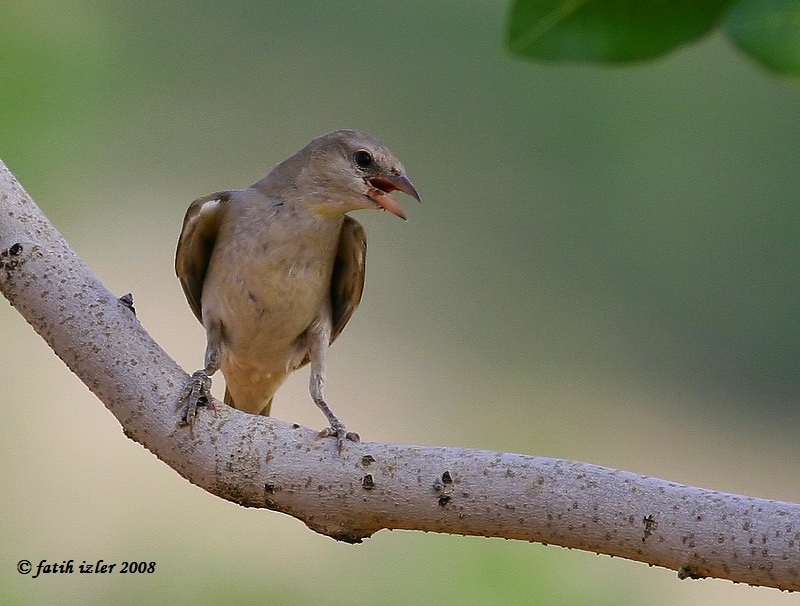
[[319, 336], [198, 389]]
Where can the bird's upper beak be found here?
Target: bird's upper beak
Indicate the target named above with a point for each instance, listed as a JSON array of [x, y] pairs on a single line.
[[381, 187]]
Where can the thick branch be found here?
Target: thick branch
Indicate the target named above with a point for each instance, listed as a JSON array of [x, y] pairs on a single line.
[[262, 462]]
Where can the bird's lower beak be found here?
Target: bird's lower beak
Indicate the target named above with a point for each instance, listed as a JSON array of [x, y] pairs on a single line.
[[382, 186]]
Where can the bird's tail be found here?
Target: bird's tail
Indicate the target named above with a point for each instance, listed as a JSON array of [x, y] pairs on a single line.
[[228, 399]]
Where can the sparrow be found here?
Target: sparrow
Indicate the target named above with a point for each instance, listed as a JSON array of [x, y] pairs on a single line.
[[275, 271]]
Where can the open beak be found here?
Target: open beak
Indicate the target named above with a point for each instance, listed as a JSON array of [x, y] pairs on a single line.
[[382, 186]]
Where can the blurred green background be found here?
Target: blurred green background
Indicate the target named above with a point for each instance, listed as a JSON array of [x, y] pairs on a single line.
[[604, 268]]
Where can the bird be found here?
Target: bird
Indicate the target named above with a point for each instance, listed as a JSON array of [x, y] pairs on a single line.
[[275, 271]]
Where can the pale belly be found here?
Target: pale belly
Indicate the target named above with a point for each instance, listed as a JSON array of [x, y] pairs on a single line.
[[265, 297], [265, 304]]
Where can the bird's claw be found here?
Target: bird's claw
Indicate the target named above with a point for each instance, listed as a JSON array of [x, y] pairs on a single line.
[[197, 393], [339, 431]]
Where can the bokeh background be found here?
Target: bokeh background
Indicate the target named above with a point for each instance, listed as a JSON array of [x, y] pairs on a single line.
[[604, 268]]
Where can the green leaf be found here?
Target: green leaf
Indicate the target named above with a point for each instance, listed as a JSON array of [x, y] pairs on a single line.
[[769, 31], [608, 31]]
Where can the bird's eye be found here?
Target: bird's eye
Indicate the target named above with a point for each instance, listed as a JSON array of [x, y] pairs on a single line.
[[363, 159]]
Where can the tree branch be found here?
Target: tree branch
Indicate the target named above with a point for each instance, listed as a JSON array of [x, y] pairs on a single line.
[[262, 462]]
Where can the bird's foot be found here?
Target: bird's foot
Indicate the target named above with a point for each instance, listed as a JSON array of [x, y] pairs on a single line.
[[196, 393], [339, 431], [337, 428]]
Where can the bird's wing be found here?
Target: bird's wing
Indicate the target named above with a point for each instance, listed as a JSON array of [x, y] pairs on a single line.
[[196, 243], [347, 281]]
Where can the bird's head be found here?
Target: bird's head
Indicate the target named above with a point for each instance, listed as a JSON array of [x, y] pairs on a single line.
[[351, 170]]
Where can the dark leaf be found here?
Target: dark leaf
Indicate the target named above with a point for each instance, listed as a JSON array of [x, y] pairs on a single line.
[[769, 31], [608, 31]]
